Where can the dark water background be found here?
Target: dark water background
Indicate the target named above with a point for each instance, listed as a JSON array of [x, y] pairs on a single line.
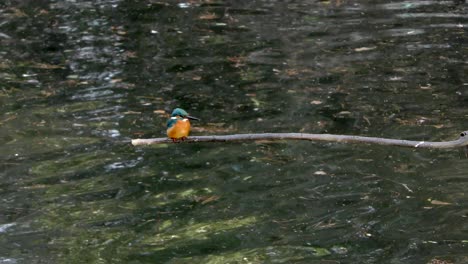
[[78, 79]]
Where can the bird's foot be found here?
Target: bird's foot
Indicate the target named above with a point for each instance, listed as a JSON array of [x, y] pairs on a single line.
[[178, 140]]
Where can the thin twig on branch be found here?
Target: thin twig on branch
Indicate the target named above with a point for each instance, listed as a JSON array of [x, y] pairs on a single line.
[[461, 141]]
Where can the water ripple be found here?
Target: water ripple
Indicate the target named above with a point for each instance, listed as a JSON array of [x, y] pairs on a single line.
[[432, 15], [412, 4]]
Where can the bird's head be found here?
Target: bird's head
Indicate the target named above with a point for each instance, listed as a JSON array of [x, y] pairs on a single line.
[[179, 112]]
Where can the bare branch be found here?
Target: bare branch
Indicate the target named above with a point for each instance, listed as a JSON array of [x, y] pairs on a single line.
[[461, 141]]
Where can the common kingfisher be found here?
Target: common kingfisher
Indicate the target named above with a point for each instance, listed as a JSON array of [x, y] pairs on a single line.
[[178, 126]]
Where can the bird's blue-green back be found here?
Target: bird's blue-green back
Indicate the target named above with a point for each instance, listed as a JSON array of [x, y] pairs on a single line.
[[171, 122]]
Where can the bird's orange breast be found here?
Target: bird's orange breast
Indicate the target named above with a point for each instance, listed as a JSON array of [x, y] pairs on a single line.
[[180, 129]]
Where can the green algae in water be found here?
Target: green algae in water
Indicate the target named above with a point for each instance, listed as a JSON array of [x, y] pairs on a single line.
[[38, 145], [199, 231], [165, 225], [68, 165], [276, 254], [164, 198], [251, 75], [81, 187], [193, 192], [215, 39], [67, 142], [79, 106]]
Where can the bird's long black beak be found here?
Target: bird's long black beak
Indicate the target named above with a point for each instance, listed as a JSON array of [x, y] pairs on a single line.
[[193, 118]]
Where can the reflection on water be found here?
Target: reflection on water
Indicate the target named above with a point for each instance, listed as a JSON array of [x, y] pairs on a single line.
[[80, 78]]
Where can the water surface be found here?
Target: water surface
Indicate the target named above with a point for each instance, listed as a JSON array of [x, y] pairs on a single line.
[[78, 79]]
